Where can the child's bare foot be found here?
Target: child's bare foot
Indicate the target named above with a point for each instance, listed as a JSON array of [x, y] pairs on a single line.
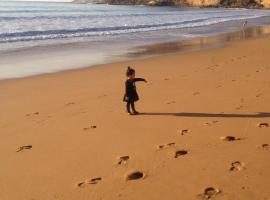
[[133, 113]]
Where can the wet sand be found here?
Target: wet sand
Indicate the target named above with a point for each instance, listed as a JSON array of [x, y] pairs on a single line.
[[67, 135]]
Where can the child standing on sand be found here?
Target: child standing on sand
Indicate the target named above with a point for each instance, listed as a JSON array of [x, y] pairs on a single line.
[[131, 94]]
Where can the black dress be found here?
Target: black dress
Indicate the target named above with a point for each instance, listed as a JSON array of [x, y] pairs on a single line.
[[131, 92]]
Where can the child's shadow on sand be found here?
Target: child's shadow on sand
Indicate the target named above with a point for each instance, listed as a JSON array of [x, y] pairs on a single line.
[[222, 115]]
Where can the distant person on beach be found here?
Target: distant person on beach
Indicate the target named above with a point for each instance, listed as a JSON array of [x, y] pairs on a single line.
[[130, 93], [244, 25]]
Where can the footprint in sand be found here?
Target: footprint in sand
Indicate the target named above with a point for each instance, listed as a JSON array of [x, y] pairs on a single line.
[[196, 93], [239, 107], [184, 131], [70, 103], [123, 160], [259, 95], [102, 96], [229, 138], [163, 146], [92, 181], [24, 148], [210, 123], [136, 175], [263, 124], [265, 146], [179, 153], [91, 127], [170, 102], [35, 113], [237, 166], [209, 193], [210, 68]]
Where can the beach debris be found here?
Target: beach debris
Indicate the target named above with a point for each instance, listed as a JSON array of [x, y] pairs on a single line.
[[92, 181], [123, 160], [24, 147], [135, 175], [263, 124], [237, 166], [209, 192], [229, 138], [179, 153]]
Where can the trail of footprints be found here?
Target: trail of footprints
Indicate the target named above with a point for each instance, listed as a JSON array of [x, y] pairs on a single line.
[[208, 192]]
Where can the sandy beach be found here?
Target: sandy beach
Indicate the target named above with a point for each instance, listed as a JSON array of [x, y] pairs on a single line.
[[66, 136]]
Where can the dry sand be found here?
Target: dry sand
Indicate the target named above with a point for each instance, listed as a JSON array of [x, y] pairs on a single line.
[[72, 128]]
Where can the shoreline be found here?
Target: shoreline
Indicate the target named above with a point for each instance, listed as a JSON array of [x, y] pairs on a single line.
[[170, 48], [27, 58]]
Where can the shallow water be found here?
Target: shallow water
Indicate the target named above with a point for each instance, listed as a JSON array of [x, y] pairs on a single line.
[[38, 38]]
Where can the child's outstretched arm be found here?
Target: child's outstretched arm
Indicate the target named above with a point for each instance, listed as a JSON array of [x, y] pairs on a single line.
[[139, 79]]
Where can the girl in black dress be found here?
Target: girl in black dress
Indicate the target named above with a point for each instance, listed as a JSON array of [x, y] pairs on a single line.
[[131, 94]]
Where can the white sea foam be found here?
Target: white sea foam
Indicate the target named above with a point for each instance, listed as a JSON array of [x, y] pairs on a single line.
[[38, 38], [41, 21]]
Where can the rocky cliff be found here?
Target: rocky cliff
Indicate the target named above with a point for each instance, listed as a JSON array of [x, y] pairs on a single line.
[[193, 3]]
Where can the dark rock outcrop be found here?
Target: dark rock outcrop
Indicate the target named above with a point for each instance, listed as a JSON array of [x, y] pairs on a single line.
[[191, 3]]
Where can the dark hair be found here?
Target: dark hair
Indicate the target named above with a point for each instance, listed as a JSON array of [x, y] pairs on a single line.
[[130, 71]]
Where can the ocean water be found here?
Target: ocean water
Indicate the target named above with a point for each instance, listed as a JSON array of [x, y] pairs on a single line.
[[34, 32]]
